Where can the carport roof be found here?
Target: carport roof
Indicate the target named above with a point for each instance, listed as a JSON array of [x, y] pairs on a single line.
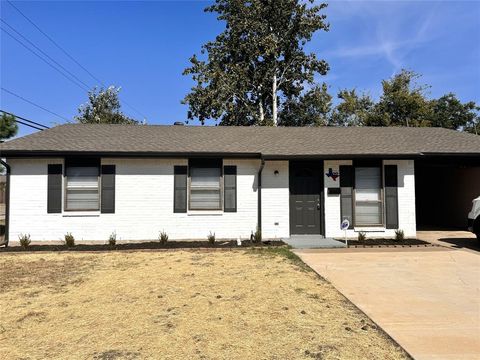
[[270, 142]]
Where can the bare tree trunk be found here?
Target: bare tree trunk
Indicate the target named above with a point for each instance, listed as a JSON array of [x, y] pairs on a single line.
[[262, 113], [274, 99]]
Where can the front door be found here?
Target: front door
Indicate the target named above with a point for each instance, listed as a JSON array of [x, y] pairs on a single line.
[[306, 197]]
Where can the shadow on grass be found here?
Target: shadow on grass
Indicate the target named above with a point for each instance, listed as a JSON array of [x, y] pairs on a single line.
[[150, 245]]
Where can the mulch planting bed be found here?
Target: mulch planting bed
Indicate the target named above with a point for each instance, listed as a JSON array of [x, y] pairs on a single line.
[[387, 243], [149, 245]]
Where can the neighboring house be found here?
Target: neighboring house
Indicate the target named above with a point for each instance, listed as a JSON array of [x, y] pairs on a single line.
[[138, 180]]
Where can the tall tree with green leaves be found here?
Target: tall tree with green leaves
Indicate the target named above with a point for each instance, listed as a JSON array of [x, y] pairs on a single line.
[[103, 107], [312, 108], [449, 112], [257, 67], [8, 127], [403, 102], [474, 125], [353, 110]]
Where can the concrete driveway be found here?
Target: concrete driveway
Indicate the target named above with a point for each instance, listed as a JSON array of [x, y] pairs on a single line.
[[454, 239], [427, 299]]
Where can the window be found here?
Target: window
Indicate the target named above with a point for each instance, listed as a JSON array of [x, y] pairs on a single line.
[[368, 196], [205, 188], [81, 189]]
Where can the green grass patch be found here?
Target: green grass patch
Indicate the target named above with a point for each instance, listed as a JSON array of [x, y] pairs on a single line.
[[282, 251]]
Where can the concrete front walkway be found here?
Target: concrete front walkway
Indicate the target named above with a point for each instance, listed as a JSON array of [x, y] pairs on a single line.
[[312, 242], [427, 299]]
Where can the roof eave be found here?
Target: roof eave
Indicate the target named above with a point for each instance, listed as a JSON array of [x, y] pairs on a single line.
[[56, 153], [406, 155]]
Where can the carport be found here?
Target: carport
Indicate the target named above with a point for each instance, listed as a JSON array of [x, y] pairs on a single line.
[[444, 190]]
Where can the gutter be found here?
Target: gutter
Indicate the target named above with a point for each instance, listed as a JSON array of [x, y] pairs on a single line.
[[259, 202], [7, 202]]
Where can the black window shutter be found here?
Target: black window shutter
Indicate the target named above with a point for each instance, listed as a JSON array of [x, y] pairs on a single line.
[[230, 188], [346, 193], [54, 191], [180, 189], [391, 197], [108, 189]]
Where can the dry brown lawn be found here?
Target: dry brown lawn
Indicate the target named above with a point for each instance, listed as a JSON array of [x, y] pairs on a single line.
[[238, 304]]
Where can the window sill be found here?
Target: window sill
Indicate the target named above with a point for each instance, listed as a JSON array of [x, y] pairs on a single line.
[[205, 212], [370, 229], [81, 214]]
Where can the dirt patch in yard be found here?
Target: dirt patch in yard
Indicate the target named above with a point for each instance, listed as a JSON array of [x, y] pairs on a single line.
[[43, 272], [255, 304]]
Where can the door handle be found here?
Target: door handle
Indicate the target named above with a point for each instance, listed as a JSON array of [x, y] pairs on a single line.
[[318, 206]]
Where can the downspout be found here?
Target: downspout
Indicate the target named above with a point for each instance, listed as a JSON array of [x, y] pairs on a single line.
[[259, 209], [7, 202]]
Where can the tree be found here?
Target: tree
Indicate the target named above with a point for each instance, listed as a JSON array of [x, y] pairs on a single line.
[[103, 107], [450, 113], [312, 108], [474, 125], [403, 102], [8, 127], [353, 110], [258, 63]]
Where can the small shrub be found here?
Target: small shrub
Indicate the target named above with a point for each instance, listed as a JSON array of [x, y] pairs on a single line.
[[399, 235], [112, 239], [256, 237], [69, 240], [211, 238], [362, 236], [24, 240], [163, 237]]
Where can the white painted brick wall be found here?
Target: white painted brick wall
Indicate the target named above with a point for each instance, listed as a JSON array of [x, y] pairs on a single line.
[[275, 200], [406, 203], [332, 202], [144, 204]]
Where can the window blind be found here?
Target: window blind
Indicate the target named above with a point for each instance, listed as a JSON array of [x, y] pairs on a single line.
[[205, 188], [368, 196], [82, 188]]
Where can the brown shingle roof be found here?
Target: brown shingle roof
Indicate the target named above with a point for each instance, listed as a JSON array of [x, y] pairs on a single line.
[[268, 141]]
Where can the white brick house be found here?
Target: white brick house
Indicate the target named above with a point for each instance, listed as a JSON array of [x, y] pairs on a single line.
[[92, 180]]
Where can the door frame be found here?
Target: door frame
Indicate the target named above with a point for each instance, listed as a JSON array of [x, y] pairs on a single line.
[[314, 163]]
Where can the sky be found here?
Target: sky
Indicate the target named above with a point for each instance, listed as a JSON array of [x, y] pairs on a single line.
[[144, 47]]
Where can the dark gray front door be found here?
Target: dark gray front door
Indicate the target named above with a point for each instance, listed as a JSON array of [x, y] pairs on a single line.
[[306, 189]]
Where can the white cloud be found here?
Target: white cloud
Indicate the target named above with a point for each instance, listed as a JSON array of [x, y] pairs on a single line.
[[392, 29]]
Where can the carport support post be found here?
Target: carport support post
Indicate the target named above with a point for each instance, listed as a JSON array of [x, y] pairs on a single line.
[[7, 201]]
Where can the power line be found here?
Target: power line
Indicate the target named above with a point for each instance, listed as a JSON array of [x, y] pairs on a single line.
[[54, 42], [45, 54], [32, 126], [68, 54], [31, 102], [36, 125], [48, 63], [24, 119]]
